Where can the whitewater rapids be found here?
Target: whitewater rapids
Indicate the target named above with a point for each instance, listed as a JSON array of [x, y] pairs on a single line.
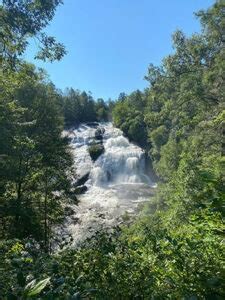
[[117, 182]]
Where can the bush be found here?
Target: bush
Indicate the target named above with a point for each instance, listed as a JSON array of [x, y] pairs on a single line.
[[95, 151]]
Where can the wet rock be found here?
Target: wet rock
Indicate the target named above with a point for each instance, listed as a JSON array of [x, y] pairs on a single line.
[[76, 220], [101, 216], [80, 190], [109, 176], [92, 124], [99, 133], [81, 181], [72, 197], [95, 151], [68, 211]]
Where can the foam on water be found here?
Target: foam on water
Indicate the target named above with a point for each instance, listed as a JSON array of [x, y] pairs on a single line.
[[116, 184]]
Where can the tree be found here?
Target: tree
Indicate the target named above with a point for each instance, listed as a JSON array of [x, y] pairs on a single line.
[[101, 110], [24, 19], [129, 119]]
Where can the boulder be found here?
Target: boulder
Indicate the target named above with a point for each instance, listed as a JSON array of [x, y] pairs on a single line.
[[80, 190], [68, 211], [99, 133], [95, 151], [81, 180]]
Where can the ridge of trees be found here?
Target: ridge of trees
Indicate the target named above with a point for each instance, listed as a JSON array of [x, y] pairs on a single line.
[[81, 107]]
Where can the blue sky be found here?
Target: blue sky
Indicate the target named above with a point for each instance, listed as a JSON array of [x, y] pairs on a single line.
[[110, 43]]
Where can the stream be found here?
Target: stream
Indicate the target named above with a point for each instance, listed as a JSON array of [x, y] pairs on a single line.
[[117, 182]]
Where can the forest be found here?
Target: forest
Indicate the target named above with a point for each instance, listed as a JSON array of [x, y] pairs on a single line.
[[174, 248]]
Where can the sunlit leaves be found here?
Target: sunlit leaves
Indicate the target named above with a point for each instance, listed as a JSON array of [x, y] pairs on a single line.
[[33, 288], [22, 20]]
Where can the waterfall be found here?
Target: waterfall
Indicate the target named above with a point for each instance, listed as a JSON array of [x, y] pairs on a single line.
[[117, 181], [122, 162]]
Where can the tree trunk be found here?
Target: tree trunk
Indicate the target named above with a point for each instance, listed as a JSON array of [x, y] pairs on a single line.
[[46, 248]]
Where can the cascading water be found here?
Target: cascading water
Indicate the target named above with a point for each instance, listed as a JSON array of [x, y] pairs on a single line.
[[117, 181], [121, 162]]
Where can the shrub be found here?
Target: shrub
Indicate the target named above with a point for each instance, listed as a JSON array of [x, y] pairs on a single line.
[[95, 151]]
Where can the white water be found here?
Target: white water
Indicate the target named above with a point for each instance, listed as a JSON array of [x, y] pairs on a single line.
[[117, 182]]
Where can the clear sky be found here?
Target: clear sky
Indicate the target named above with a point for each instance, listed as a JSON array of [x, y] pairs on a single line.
[[110, 43]]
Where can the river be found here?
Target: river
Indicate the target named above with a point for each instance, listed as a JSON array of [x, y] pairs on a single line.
[[117, 182]]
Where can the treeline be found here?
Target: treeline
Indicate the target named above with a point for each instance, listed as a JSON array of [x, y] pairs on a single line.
[[80, 107], [128, 115], [175, 249]]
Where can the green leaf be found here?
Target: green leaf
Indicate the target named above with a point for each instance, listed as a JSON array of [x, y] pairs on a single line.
[[30, 285], [76, 296], [33, 289]]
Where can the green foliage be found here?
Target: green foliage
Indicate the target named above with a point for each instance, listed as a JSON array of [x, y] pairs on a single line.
[[102, 110], [95, 151], [169, 160], [34, 157], [30, 274], [179, 236], [33, 288], [24, 19], [80, 107], [175, 249], [129, 119]]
